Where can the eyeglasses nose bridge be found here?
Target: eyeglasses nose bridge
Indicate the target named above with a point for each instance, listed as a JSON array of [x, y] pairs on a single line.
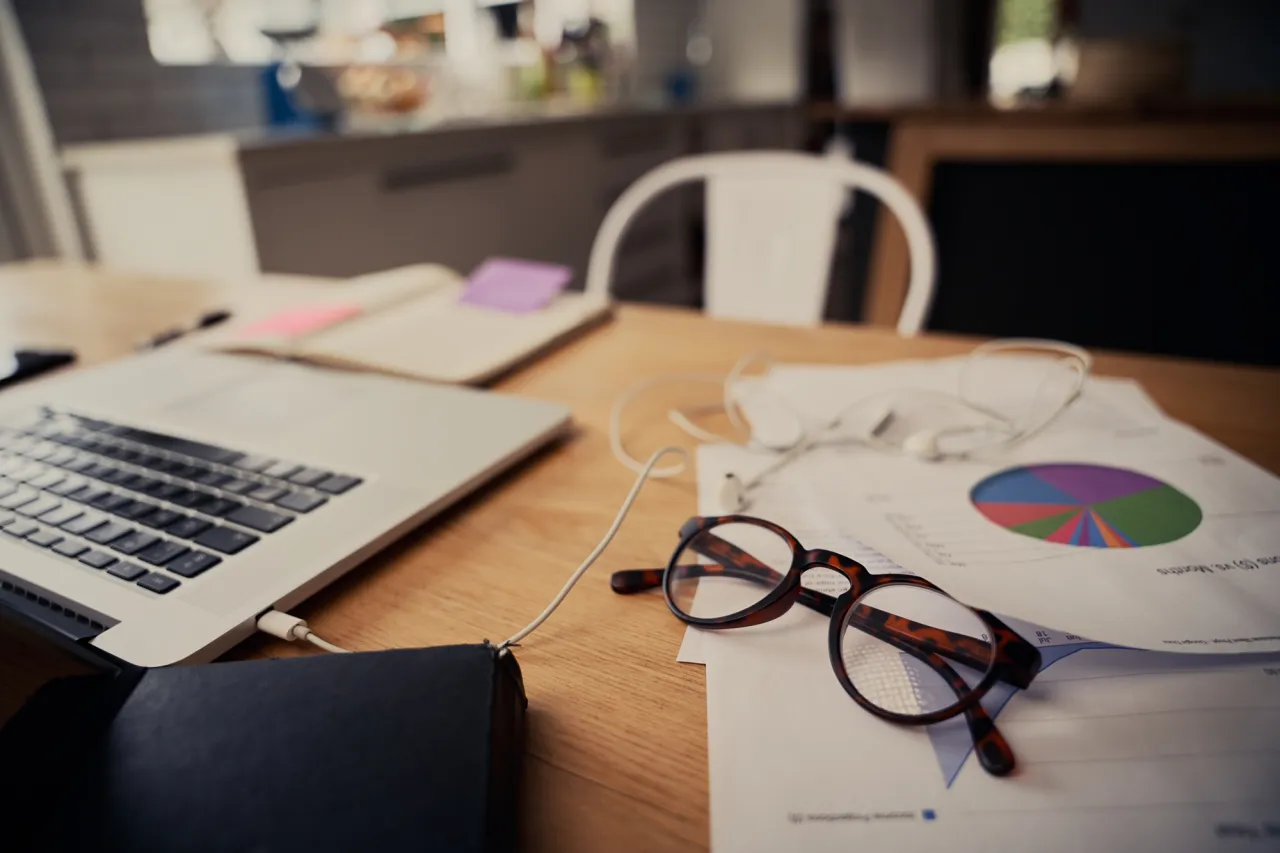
[[820, 558]]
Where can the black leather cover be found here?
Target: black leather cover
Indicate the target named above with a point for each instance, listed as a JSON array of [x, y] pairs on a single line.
[[400, 750]]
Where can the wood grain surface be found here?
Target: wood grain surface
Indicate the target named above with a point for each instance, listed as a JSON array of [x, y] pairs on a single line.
[[617, 729]]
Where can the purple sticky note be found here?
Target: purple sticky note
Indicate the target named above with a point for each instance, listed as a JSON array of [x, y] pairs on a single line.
[[517, 287]]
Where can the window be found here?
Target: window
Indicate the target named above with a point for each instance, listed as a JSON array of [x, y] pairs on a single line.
[[199, 32]]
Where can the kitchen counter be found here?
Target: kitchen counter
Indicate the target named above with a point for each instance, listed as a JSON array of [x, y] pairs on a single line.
[[532, 182]]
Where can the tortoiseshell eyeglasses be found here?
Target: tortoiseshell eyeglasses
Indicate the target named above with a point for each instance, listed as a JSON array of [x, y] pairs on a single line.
[[901, 648]]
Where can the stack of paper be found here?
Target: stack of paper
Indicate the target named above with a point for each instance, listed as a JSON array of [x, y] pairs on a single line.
[[1111, 538]]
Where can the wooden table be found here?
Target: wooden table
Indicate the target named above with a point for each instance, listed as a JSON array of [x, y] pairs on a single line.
[[616, 728]]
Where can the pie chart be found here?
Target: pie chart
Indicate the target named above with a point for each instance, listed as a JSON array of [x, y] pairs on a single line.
[[1089, 506]]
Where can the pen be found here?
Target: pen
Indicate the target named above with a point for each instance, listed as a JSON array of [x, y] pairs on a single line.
[[205, 321]]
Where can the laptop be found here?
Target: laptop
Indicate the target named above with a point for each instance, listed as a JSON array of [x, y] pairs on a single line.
[[152, 508]]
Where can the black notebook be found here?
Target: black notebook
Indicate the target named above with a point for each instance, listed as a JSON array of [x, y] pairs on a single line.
[[400, 750]]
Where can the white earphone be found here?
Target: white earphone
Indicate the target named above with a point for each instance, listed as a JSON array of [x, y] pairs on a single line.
[[925, 444]]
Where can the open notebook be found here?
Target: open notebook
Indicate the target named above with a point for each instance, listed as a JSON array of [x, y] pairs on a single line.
[[409, 322]]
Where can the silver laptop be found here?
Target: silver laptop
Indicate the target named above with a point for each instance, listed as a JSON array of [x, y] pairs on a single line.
[[151, 509]]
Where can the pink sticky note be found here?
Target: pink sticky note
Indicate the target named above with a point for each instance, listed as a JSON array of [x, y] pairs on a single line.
[[514, 286], [301, 321]]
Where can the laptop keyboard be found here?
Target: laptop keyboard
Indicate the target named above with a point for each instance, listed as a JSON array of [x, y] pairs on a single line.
[[146, 508]]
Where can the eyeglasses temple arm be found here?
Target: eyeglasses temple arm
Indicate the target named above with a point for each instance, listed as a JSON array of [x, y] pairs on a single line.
[[994, 752]]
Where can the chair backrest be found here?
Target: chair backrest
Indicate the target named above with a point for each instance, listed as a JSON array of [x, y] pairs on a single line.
[[771, 226]]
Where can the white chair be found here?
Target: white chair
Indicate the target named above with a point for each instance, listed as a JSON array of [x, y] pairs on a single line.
[[771, 229]]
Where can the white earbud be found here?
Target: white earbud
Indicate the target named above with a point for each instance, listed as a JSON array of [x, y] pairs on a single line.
[[733, 493], [776, 428], [923, 445]]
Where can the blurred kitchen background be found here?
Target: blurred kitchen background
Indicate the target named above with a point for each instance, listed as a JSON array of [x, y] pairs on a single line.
[[1096, 170]]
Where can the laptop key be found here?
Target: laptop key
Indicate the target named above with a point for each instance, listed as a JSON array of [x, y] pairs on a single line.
[[68, 486], [115, 476], [212, 478], [267, 494], [39, 452], [220, 507], [281, 470], [28, 473], [135, 510], [161, 518], [134, 542], [140, 483], [61, 515], [167, 491], [7, 487], [52, 477], [162, 552], [21, 529], [127, 571], [44, 538], [159, 584], [70, 548], [39, 506], [195, 563], [259, 519], [192, 499], [253, 463], [60, 457], [21, 496], [97, 559], [7, 518], [187, 528], [226, 540], [301, 501], [88, 494], [111, 502], [309, 476], [173, 444], [150, 485], [239, 487], [83, 524], [107, 533], [79, 464], [338, 483]]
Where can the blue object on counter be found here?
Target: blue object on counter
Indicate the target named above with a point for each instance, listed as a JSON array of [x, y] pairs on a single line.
[[681, 87], [282, 109]]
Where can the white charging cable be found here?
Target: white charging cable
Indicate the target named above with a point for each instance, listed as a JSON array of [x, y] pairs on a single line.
[[647, 471], [288, 627], [681, 417]]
